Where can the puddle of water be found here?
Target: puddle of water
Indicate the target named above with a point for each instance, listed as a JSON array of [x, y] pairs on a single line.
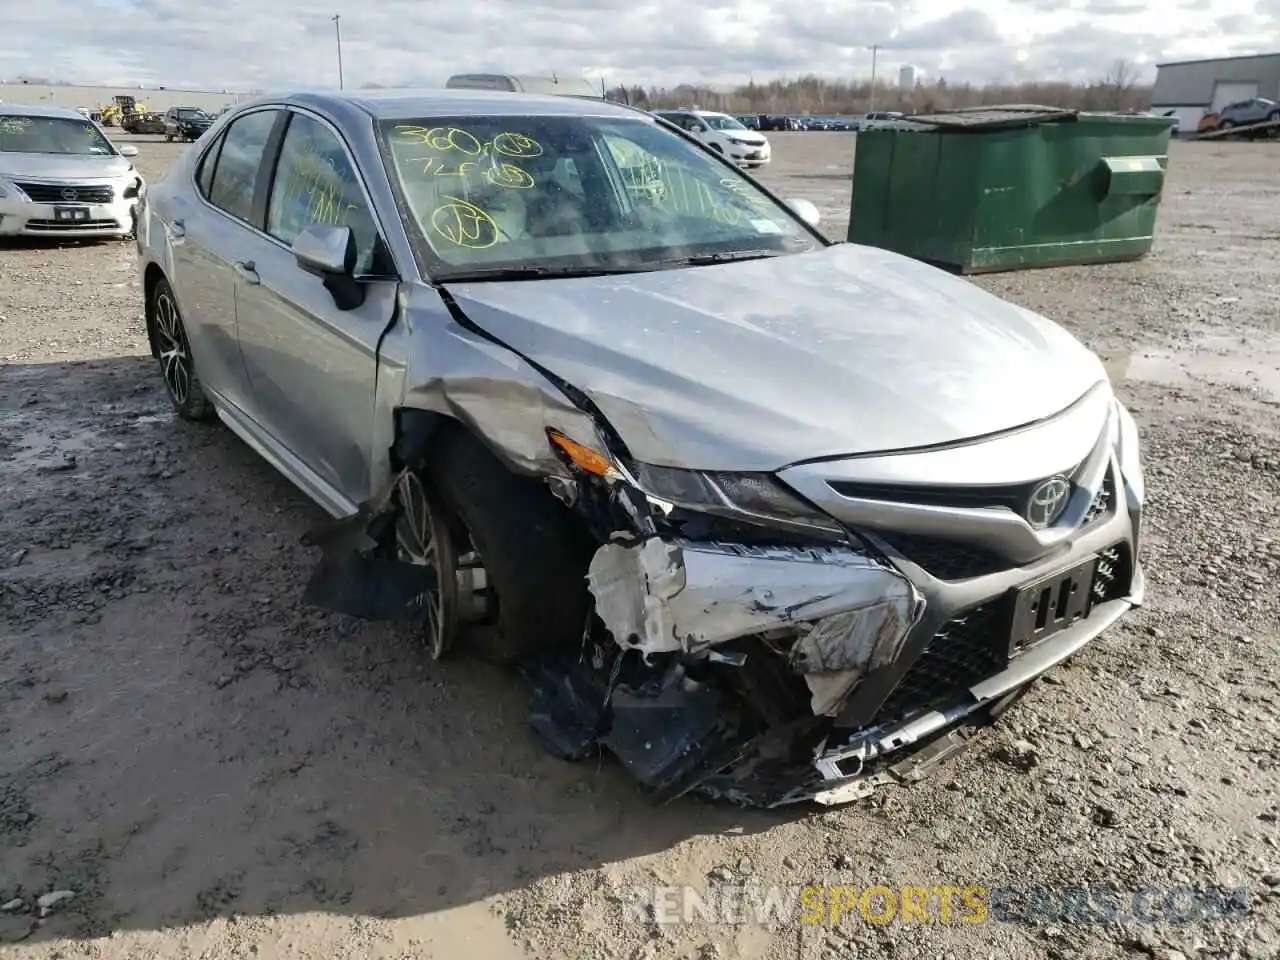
[[1252, 362]]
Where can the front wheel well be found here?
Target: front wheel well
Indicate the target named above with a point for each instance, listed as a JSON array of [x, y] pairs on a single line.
[[534, 549]]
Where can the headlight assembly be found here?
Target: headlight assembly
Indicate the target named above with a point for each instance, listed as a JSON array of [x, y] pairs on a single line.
[[747, 497], [742, 496]]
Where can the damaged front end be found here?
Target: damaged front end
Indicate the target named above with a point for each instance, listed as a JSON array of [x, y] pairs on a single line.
[[741, 643], [730, 628]]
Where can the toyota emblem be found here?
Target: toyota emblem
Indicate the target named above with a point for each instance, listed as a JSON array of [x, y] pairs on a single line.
[[1047, 501], [68, 193]]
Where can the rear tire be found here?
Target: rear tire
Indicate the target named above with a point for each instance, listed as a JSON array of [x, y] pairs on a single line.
[[535, 552], [177, 365]]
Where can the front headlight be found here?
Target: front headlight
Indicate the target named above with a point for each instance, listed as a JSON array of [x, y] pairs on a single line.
[[1128, 452], [747, 497], [741, 496]]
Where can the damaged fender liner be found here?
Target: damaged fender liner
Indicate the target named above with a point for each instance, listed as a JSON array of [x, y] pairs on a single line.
[[849, 613]]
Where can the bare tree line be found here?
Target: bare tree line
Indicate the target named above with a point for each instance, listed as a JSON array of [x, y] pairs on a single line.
[[1118, 89]]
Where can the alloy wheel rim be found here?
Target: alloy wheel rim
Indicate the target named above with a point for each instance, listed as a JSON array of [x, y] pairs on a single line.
[[175, 358], [418, 541]]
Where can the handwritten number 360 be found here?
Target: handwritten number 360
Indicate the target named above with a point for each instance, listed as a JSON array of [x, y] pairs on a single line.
[[446, 139]]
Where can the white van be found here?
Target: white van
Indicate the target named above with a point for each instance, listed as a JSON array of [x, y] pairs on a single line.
[[565, 87], [723, 134]]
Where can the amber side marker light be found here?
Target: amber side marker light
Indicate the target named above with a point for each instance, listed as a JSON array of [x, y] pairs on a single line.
[[583, 457]]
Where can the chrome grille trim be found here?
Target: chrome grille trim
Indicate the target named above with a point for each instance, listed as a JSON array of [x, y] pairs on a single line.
[[58, 193], [996, 529]]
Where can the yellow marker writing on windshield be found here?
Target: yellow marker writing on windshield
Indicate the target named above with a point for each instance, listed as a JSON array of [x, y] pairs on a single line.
[[464, 224]]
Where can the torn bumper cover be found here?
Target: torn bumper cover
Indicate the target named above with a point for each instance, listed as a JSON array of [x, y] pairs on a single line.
[[710, 643], [725, 663], [847, 612]]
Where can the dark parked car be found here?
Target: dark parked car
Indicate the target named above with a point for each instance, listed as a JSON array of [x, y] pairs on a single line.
[[778, 123], [185, 123], [143, 123]]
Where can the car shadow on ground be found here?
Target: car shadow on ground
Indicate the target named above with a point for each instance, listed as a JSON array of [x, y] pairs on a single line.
[[188, 740]]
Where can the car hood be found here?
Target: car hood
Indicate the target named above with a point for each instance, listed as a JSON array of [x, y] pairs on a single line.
[[52, 166], [759, 364]]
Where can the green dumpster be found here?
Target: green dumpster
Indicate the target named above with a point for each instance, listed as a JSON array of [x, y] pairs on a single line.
[[1007, 188]]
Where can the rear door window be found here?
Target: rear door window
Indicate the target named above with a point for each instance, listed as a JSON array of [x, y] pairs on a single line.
[[239, 159]]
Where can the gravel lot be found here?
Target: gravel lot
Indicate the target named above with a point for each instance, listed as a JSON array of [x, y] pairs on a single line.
[[216, 771]]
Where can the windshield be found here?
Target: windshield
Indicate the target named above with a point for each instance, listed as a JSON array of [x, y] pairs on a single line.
[[191, 114], [593, 193], [719, 121], [20, 134]]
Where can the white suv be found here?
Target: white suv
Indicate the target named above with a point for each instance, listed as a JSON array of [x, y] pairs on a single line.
[[886, 118], [722, 133]]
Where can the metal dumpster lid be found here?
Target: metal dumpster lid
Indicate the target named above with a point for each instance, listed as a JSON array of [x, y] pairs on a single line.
[[995, 117]]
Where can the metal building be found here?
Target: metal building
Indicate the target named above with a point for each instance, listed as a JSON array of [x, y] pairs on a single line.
[[93, 98], [1193, 88]]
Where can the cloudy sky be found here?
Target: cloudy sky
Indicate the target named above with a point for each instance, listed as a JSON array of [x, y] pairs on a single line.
[[244, 44]]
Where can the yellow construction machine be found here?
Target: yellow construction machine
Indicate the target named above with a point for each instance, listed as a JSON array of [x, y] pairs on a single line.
[[113, 114]]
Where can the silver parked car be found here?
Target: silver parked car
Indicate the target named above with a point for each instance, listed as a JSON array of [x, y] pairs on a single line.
[[1242, 113], [61, 176], [767, 517]]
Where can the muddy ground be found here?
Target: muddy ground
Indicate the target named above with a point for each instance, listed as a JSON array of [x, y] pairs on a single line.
[[216, 771]]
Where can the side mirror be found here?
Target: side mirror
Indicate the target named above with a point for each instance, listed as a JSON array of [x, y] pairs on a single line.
[[325, 250], [128, 150], [330, 254], [805, 210]]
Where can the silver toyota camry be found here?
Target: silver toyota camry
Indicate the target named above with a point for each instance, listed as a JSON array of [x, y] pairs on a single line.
[[61, 177], [766, 517]]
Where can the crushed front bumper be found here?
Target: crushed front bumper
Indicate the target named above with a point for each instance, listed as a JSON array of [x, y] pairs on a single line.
[[897, 666], [854, 770]]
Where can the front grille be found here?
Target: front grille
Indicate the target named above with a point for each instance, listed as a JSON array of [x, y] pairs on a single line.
[[948, 559], [63, 193], [1010, 496], [968, 648], [974, 645], [1014, 497], [56, 226], [945, 559], [1102, 503], [1114, 576]]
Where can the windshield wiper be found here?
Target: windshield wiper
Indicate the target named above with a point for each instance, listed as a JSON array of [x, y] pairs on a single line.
[[534, 273], [704, 259]]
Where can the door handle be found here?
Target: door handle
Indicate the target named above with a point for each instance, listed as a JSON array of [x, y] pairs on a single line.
[[247, 269], [177, 229]]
